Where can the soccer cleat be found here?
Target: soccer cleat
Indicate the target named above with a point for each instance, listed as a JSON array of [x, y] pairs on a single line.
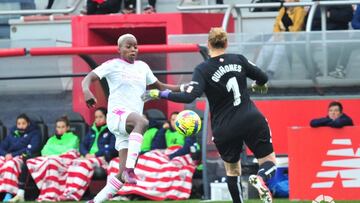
[[17, 198], [129, 176], [90, 201], [259, 184]]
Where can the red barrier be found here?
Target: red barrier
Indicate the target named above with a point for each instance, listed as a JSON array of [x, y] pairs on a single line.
[[324, 161], [12, 52], [112, 49]]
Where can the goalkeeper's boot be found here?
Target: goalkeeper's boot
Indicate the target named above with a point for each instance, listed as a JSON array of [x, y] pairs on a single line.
[[259, 184], [129, 176]]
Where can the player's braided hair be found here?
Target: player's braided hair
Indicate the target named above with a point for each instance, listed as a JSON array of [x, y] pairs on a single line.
[[217, 38]]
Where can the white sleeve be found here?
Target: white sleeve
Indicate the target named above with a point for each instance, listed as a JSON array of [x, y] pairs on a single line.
[[150, 77], [104, 69]]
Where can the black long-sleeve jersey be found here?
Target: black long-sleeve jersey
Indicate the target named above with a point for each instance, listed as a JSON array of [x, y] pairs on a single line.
[[223, 79]]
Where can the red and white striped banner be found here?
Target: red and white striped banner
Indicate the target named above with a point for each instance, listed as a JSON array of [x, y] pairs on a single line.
[[9, 173], [79, 176], [158, 177], [50, 173]]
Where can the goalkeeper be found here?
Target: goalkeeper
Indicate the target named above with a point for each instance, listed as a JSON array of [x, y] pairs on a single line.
[[234, 117]]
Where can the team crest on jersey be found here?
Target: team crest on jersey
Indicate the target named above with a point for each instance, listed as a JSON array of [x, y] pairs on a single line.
[[105, 135]]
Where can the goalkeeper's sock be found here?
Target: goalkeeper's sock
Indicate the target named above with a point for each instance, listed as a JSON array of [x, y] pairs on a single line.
[[267, 170], [135, 141], [235, 189], [111, 188]]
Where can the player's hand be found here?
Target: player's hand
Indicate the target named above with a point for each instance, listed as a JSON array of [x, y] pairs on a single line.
[[90, 99], [259, 88], [150, 95], [8, 157], [89, 156], [154, 94]]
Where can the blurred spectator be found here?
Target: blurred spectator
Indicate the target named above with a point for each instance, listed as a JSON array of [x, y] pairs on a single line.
[[97, 148], [167, 137], [289, 19], [167, 151], [103, 6], [62, 141], [57, 155], [130, 7], [150, 133], [355, 22], [164, 137], [346, 49], [337, 18], [335, 118], [23, 141]]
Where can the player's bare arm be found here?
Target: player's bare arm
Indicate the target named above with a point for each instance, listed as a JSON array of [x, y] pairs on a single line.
[[88, 95], [163, 86]]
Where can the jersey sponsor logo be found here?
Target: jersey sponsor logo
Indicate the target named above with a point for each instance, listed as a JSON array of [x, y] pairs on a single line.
[[222, 70], [324, 161], [345, 168]]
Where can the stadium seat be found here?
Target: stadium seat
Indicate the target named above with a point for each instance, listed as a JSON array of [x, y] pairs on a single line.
[[77, 124], [3, 131], [155, 114], [38, 120], [30, 187]]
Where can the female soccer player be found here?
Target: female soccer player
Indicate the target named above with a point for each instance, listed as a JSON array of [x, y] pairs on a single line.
[[234, 117], [127, 79]]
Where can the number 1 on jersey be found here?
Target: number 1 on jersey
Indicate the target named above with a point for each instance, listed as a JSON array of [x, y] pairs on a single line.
[[233, 85]]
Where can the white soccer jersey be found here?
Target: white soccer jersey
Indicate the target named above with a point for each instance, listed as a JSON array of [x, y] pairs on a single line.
[[127, 82]]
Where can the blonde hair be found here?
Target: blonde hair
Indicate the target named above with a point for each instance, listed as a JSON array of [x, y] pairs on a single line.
[[217, 38], [123, 37]]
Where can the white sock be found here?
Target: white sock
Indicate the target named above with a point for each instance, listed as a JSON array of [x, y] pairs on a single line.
[[135, 141], [20, 192], [110, 189]]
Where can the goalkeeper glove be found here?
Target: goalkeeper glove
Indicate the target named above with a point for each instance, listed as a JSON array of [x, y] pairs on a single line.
[[154, 94], [259, 88]]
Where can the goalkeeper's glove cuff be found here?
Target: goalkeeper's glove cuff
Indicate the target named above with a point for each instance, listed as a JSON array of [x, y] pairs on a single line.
[[182, 88], [164, 94]]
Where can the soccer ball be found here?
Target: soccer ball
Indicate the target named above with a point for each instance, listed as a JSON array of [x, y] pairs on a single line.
[[188, 123]]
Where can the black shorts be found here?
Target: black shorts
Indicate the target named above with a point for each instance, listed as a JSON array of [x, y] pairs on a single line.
[[253, 131]]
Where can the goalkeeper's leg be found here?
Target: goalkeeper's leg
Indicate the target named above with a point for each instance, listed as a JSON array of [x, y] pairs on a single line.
[[266, 170], [233, 173]]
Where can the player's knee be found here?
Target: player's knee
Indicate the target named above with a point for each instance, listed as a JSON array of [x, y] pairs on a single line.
[[232, 169], [267, 170], [233, 173], [143, 124]]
